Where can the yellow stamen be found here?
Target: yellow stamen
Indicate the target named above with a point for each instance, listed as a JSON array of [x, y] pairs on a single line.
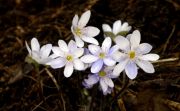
[[102, 73], [69, 58], [101, 55], [132, 54], [78, 31]]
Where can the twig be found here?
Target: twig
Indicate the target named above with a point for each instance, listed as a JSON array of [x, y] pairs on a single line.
[[172, 104], [52, 77], [167, 41], [166, 60]]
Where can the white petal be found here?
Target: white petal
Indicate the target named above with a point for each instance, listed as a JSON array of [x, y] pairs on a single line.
[[109, 61], [75, 20], [117, 56], [84, 19], [146, 66], [78, 64], [150, 57], [89, 58], [78, 52], [45, 50], [124, 26], [103, 85], [91, 31], [63, 46], [144, 48], [108, 81], [123, 43], [135, 39], [96, 66], [58, 52], [116, 26], [131, 70], [35, 45], [79, 42], [120, 67], [94, 49], [90, 40], [57, 63], [28, 48], [68, 70], [106, 28], [106, 44], [72, 45]]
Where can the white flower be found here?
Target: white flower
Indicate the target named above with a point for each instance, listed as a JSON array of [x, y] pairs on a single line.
[[81, 32], [133, 54], [40, 55], [100, 55], [118, 29], [104, 77], [68, 56]]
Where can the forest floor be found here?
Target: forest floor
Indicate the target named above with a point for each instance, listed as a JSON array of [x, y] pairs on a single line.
[[22, 89]]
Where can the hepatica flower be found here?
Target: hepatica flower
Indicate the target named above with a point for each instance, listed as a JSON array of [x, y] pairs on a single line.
[[81, 32], [134, 54], [40, 55], [68, 56], [100, 55], [118, 28], [104, 77]]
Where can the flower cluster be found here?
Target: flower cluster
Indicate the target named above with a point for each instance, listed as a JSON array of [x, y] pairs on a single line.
[[120, 51]]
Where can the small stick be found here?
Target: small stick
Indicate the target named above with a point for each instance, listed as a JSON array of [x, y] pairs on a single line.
[[166, 60]]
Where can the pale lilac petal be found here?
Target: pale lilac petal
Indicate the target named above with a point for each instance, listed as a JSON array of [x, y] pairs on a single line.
[[89, 58], [116, 26], [36, 56], [150, 57], [90, 40], [84, 19], [91, 31], [103, 85], [146, 66], [106, 44], [109, 61], [131, 70], [28, 48], [144, 48], [68, 70], [78, 52], [79, 42], [120, 67], [45, 50], [113, 49], [106, 28], [35, 45], [63, 46], [78, 64], [75, 20], [58, 52], [57, 63], [135, 39], [128, 36], [94, 49], [108, 81], [123, 43], [96, 66], [92, 79]]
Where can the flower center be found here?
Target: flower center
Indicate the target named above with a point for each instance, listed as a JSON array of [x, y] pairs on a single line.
[[69, 58], [132, 54], [101, 55], [102, 73], [78, 31]]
